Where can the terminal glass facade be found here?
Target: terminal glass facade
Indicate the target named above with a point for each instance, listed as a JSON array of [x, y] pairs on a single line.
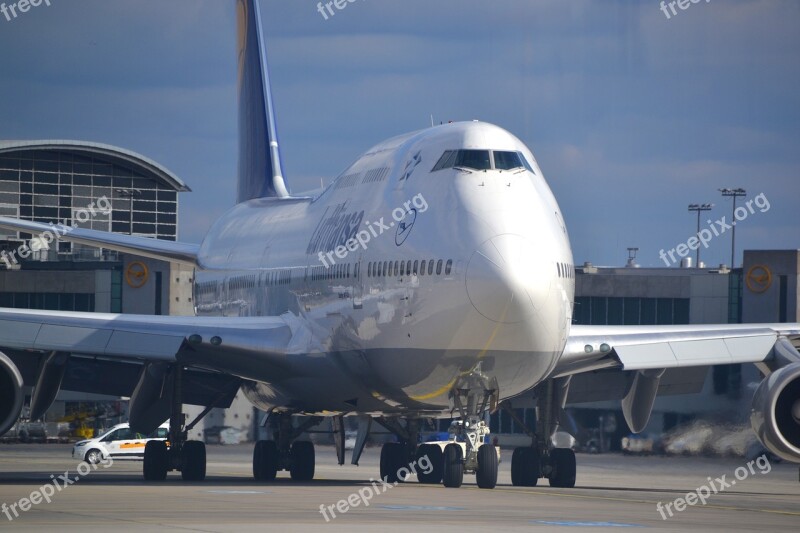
[[55, 185]]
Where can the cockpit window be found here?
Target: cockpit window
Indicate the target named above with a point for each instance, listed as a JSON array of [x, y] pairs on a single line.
[[477, 159], [507, 160], [474, 159], [481, 160]]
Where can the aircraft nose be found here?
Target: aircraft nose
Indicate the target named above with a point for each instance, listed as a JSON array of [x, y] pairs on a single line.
[[507, 279]]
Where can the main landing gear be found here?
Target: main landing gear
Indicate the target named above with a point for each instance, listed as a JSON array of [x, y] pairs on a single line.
[[286, 453], [178, 453], [540, 459]]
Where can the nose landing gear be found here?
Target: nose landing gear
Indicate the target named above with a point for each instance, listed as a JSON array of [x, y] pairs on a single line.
[[471, 395]]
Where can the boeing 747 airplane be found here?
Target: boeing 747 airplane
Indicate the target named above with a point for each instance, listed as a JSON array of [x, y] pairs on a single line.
[[432, 279]]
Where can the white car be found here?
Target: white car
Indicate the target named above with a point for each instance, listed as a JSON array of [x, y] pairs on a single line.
[[120, 442]]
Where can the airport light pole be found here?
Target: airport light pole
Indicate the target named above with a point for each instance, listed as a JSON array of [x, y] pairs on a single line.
[[130, 194], [699, 208], [734, 193]]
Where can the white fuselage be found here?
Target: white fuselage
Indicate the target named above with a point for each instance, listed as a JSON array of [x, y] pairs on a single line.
[[384, 335]]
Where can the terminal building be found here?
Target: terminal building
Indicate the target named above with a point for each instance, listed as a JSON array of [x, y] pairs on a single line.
[[71, 184]]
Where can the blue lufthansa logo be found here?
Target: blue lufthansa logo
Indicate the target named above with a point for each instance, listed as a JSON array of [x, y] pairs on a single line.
[[404, 226]]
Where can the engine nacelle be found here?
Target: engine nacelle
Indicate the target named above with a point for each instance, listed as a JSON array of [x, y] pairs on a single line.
[[775, 415], [11, 396]]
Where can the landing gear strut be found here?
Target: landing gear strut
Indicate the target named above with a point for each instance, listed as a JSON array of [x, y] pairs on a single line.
[[471, 395], [528, 464], [188, 456], [285, 452]]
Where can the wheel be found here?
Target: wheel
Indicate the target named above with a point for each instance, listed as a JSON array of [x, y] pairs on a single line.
[[156, 461], [564, 468], [392, 462], [193, 461], [430, 454], [302, 461], [93, 457], [265, 460], [525, 467], [453, 471], [486, 476]]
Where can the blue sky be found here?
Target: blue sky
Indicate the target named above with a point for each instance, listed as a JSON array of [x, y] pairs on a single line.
[[632, 116]]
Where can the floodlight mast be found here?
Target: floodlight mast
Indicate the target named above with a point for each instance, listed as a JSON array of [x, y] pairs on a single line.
[[699, 208], [734, 193]]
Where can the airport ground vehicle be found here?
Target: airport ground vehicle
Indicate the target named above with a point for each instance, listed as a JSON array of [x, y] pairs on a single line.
[[120, 442]]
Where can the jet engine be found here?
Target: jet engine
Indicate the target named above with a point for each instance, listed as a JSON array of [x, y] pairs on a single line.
[[11, 395], [775, 414]]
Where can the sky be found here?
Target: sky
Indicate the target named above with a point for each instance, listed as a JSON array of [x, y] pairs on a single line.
[[632, 115]]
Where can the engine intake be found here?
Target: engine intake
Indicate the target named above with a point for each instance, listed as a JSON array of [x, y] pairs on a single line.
[[11, 396], [775, 414]]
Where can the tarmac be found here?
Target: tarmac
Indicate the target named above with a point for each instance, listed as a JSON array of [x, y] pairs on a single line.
[[612, 492]]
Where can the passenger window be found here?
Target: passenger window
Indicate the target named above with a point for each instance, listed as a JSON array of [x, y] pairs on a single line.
[[391, 269], [448, 267], [422, 268], [397, 268], [430, 267], [416, 264], [439, 268]]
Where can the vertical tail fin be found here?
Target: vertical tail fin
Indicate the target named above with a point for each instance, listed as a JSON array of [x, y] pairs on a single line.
[[260, 169]]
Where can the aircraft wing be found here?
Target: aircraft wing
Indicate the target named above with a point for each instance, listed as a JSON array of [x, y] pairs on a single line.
[[636, 363], [129, 355], [653, 347], [176, 252]]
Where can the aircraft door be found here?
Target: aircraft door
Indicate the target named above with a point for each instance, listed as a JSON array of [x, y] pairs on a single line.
[[358, 285]]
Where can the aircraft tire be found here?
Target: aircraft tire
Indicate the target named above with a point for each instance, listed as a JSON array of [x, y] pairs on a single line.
[[486, 476], [193, 461], [453, 471]]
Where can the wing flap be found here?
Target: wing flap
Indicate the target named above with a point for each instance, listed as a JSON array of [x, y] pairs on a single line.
[[700, 352]]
